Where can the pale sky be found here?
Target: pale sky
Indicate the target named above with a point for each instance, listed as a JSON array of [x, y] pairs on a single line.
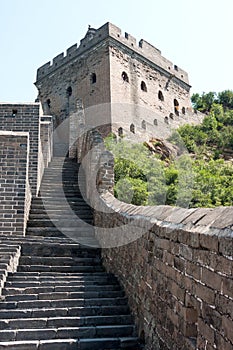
[[194, 34]]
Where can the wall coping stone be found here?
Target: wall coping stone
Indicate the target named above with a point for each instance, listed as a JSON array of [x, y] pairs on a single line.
[[209, 221], [13, 133]]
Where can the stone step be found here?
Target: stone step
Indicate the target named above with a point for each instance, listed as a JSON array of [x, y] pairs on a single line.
[[63, 312], [13, 282], [62, 222], [63, 295], [61, 183], [58, 278], [57, 193], [7, 249], [84, 231], [48, 185], [62, 275], [59, 214], [126, 343], [56, 197], [67, 332], [52, 200], [84, 228], [61, 180], [60, 207], [56, 246], [57, 322], [58, 268], [83, 241], [61, 303], [54, 289], [58, 249], [57, 176], [59, 261]]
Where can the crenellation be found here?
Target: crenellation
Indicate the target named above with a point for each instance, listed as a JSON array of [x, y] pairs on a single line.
[[71, 50], [58, 59], [132, 40], [110, 31], [43, 70], [145, 46], [108, 66]]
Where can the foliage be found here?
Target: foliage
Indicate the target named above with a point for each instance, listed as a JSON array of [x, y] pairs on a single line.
[[204, 102], [201, 178]]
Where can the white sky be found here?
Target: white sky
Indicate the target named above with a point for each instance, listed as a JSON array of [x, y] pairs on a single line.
[[194, 34]]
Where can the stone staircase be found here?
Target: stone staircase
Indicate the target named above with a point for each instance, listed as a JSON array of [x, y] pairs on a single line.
[[61, 297]]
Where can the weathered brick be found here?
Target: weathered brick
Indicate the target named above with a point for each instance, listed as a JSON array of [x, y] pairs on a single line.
[[211, 316], [205, 293], [211, 279], [207, 332], [227, 325], [180, 264], [193, 270], [209, 242], [224, 305], [220, 264], [227, 287], [226, 246], [186, 252], [222, 343]]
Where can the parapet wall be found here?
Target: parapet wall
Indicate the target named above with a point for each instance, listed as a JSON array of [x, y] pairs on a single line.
[[15, 195], [24, 118], [110, 31], [26, 149], [97, 164], [45, 146], [175, 264], [177, 275]]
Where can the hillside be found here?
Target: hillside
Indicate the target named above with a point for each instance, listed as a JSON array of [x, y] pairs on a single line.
[[193, 169]]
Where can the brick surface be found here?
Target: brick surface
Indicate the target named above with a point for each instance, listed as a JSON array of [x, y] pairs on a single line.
[[14, 152], [190, 285], [25, 119]]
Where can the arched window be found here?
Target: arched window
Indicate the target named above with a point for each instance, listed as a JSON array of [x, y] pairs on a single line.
[[144, 124], [48, 103], [132, 128], [155, 122], [120, 131], [183, 110], [166, 120], [125, 77], [69, 91], [176, 107], [171, 115], [143, 86], [160, 95], [93, 78]]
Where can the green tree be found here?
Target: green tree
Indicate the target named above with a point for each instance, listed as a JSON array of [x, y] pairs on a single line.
[[203, 102], [225, 98]]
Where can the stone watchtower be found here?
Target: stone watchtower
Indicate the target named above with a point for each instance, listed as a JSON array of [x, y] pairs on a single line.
[[122, 84]]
